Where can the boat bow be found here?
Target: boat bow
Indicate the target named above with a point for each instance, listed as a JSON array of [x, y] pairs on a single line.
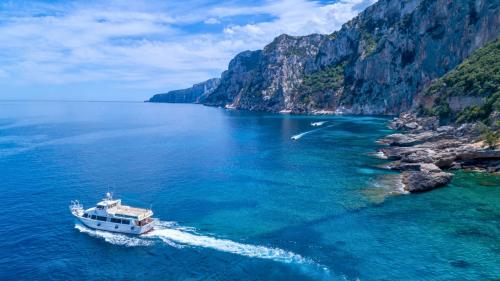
[[76, 208]]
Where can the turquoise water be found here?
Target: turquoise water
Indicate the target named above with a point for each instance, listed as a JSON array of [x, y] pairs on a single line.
[[237, 199]]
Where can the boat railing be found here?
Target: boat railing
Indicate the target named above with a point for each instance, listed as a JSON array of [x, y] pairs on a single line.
[[75, 207]]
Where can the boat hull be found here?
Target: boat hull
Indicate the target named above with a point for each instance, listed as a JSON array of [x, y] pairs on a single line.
[[116, 227]]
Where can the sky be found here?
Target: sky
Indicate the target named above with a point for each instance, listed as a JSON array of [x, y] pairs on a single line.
[[130, 50]]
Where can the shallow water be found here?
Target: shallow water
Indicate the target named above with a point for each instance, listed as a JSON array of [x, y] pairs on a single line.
[[237, 197]]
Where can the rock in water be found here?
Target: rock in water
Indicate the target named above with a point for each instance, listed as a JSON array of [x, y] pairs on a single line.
[[420, 181]]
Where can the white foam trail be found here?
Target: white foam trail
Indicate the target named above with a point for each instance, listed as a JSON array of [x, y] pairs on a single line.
[[172, 243], [114, 238], [401, 187], [298, 136], [180, 237], [380, 155], [170, 233], [393, 184], [224, 245]]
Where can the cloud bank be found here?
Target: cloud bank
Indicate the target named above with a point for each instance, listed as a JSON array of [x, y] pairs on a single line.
[[97, 49]]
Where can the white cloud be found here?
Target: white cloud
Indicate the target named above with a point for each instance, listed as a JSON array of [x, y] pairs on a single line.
[[212, 21], [147, 45]]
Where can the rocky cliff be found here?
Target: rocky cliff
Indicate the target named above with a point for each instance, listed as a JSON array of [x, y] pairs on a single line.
[[454, 124], [189, 95], [468, 93], [375, 64]]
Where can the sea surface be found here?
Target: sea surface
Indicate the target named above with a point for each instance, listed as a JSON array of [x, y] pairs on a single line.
[[236, 196]]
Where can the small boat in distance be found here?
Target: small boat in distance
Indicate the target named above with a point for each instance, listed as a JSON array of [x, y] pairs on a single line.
[[111, 215], [317, 124]]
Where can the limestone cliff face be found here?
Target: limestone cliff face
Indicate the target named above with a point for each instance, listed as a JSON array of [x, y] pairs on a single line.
[[399, 47], [189, 95], [376, 63], [265, 80]]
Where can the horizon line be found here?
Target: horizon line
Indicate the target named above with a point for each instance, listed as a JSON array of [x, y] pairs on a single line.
[[64, 100]]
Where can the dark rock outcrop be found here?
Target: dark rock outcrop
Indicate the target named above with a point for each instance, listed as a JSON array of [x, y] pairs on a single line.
[[423, 154], [420, 181]]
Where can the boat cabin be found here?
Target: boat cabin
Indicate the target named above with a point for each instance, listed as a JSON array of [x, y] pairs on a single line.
[[113, 211]]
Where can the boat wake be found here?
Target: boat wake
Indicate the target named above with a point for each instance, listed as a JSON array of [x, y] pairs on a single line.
[[298, 136], [179, 237]]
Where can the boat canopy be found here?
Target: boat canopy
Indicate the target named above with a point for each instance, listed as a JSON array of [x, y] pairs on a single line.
[[115, 208], [131, 212]]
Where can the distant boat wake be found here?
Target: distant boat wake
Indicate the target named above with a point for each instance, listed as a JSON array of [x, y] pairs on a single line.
[[179, 237], [298, 136]]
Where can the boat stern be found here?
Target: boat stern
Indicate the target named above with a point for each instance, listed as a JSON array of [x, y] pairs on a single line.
[[149, 226]]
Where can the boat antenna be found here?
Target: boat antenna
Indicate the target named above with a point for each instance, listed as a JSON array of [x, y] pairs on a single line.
[[109, 193]]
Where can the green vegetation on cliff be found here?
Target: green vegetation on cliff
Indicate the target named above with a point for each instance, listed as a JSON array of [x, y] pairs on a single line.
[[477, 78], [318, 87], [369, 44], [330, 78], [490, 137]]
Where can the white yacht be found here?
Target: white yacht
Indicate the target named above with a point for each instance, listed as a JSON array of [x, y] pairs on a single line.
[[111, 215]]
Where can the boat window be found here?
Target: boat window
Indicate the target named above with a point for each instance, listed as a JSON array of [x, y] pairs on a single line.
[[100, 207], [85, 215], [125, 221], [93, 217], [116, 220], [99, 218]]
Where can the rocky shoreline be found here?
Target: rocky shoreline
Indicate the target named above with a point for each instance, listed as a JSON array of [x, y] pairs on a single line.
[[425, 152]]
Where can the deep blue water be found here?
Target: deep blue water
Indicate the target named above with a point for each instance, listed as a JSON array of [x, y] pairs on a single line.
[[238, 199]]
